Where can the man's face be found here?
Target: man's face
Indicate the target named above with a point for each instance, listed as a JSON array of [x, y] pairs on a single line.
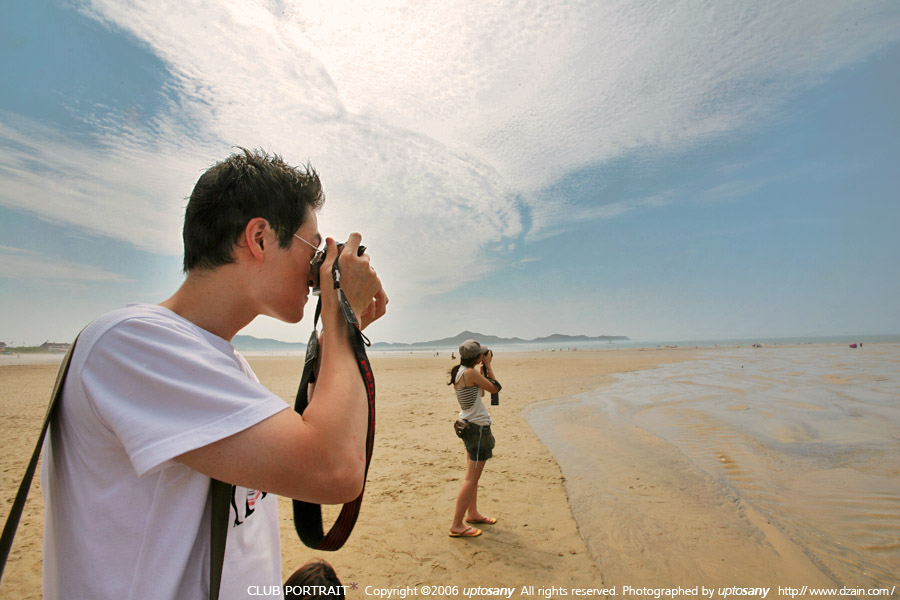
[[290, 279]]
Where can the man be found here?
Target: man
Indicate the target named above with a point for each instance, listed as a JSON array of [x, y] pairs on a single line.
[[157, 402]]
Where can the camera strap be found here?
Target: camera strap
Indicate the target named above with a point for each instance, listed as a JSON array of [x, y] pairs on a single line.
[[308, 516], [15, 513]]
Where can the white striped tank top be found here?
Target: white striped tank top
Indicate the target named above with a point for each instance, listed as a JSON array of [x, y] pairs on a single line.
[[470, 401]]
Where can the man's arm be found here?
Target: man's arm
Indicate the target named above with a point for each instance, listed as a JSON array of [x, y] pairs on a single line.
[[319, 457]]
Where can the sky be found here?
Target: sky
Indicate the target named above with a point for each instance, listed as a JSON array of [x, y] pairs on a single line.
[[663, 170]]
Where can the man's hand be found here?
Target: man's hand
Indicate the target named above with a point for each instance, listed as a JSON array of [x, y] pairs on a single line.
[[375, 310], [360, 283]]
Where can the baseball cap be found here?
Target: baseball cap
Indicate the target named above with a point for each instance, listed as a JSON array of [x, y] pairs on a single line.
[[471, 349]]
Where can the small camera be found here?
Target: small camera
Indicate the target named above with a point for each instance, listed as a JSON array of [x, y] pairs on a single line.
[[315, 266]]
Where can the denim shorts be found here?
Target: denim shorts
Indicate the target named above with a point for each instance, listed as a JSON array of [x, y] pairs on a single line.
[[479, 442]]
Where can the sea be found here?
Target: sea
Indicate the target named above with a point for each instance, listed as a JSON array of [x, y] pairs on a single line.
[[613, 345], [807, 435]]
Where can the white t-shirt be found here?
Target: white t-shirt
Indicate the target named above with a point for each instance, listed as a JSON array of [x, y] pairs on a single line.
[[123, 520]]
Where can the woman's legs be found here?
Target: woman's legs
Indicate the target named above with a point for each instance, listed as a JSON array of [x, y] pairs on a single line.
[[472, 513], [467, 500]]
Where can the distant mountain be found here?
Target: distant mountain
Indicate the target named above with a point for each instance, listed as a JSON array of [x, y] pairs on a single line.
[[560, 338], [494, 340], [248, 343], [456, 340]]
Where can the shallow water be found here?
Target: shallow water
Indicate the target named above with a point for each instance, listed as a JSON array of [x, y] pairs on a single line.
[[807, 436]]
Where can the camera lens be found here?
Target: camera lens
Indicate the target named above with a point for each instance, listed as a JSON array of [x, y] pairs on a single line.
[[314, 266]]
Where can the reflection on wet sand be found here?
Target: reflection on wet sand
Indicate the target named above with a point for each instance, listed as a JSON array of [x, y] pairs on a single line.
[[794, 450]]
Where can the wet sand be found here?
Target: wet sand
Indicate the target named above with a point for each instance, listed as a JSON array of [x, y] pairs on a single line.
[[754, 467]]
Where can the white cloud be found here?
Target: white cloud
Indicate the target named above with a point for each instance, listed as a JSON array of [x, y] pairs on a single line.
[[121, 189], [428, 121], [26, 265], [557, 213]]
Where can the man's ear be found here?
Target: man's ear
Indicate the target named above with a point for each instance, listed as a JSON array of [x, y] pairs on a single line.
[[254, 237]]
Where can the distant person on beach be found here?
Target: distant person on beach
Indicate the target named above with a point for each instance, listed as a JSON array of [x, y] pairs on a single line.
[[157, 402], [470, 385]]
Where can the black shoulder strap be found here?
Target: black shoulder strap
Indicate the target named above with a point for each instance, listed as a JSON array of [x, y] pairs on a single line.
[[308, 516], [221, 499], [221, 494], [494, 381], [15, 513]]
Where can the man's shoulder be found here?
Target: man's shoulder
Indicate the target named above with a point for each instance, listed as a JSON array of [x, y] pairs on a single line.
[[132, 314], [142, 325], [132, 311]]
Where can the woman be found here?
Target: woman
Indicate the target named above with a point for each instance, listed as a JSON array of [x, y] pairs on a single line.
[[470, 385]]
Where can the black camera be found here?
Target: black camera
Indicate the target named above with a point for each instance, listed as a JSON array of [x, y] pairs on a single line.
[[315, 266], [495, 397]]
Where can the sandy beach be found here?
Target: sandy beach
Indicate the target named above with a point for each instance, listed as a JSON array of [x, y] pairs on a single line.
[[660, 520]]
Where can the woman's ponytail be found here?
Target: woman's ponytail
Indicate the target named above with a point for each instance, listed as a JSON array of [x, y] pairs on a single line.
[[453, 373], [463, 362]]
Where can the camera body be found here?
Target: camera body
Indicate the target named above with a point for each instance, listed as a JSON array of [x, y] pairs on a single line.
[[315, 266], [495, 397]]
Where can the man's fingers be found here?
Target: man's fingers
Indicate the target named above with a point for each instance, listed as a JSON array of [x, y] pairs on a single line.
[[375, 310], [353, 243], [325, 269], [381, 302]]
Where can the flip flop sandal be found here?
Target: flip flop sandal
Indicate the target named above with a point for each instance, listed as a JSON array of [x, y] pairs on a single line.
[[470, 532]]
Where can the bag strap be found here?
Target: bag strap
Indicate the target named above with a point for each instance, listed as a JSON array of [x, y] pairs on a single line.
[[218, 532], [15, 513], [221, 494], [308, 516]]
